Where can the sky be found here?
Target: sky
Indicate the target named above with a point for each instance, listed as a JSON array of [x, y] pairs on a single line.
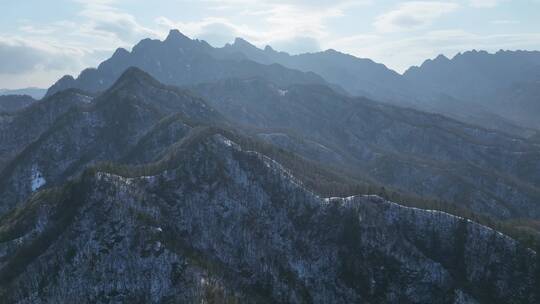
[[40, 41]]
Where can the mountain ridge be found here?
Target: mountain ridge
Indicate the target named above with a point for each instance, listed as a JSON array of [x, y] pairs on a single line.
[[178, 60], [362, 226], [366, 137], [361, 76]]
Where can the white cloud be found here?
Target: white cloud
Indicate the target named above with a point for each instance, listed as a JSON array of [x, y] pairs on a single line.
[[297, 3], [216, 31], [505, 22], [19, 55], [102, 19], [35, 61], [413, 15], [293, 26], [484, 3]]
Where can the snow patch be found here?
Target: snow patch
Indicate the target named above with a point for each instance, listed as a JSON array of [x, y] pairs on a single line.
[[37, 179], [84, 98], [227, 142]]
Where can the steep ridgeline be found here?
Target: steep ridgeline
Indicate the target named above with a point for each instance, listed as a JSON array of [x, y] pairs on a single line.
[[359, 76], [20, 128], [179, 60], [429, 155], [364, 77], [217, 224], [507, 82], [136, 113], [13, 103]]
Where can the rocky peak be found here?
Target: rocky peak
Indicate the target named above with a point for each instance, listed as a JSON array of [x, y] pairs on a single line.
[[176, 39], [176, 35], [242, 43], [121, 53]]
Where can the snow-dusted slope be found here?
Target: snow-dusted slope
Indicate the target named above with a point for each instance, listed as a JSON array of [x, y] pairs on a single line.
[[217, 223], [108, 129]]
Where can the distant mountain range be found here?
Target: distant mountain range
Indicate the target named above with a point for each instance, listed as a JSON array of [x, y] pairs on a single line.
[[507, 83], [493, 90], [12, 103], [35, 93], [179, 60]]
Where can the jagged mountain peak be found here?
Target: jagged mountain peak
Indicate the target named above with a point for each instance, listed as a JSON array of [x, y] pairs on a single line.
[[67, 78], [176, 39], [120, 52], [268, 49], [441, 57], [176, 35], [179, 60], [241, 42]]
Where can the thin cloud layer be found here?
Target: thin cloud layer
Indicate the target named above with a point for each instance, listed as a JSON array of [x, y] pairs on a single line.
[[19, 56], [413, 15]]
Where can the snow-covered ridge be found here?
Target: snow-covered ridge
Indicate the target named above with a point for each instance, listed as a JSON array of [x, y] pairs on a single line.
[[393, 213], [251, 214]]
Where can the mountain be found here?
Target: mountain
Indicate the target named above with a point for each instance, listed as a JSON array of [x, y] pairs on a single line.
[[213, 222], [36, 93], [486, 171], [105, 129], [508, 82], [364, 77], [359, 76], [179, 60], [18, 129], [415, 152], [13, 103]]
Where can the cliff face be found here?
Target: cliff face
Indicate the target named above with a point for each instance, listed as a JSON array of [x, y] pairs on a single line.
[[213, 222]]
